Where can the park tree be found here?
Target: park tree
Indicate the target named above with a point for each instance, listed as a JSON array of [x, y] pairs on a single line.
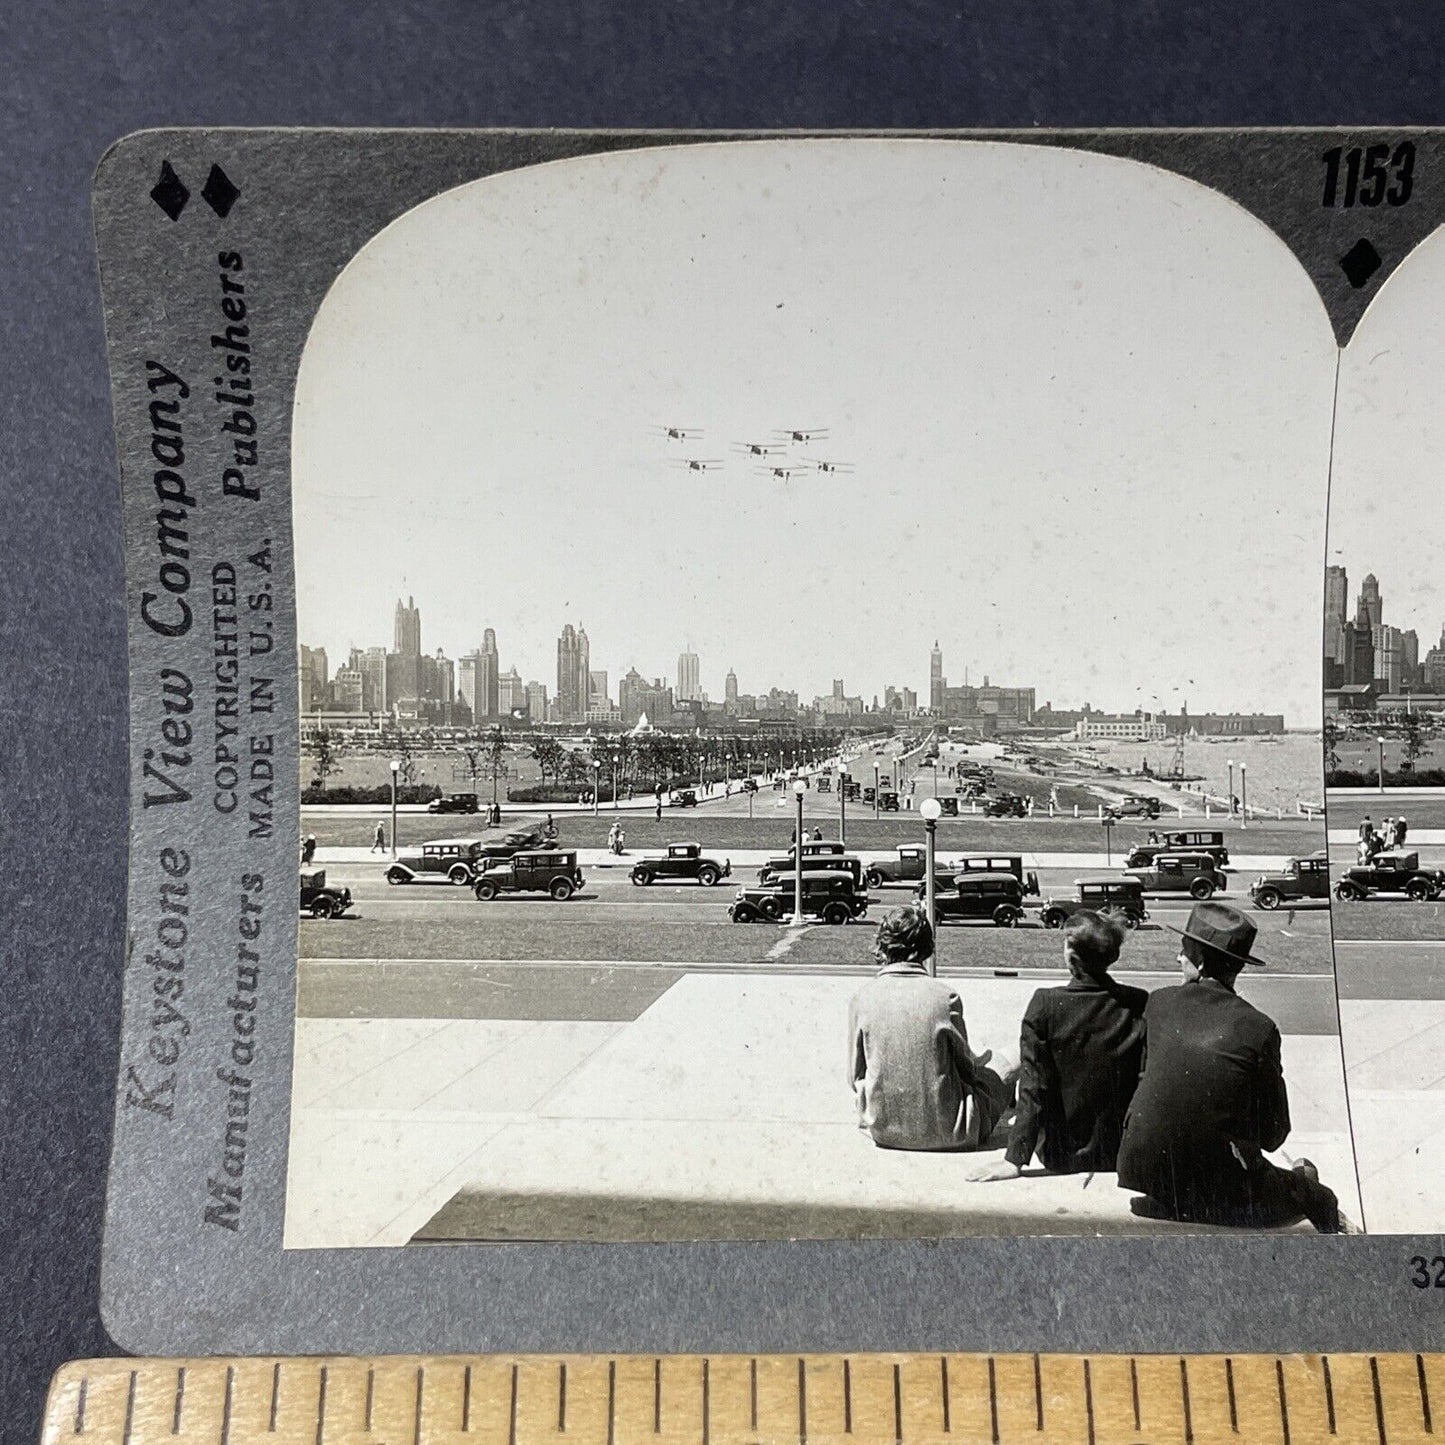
[[1413, 741], [548, 753], [1332, 746]]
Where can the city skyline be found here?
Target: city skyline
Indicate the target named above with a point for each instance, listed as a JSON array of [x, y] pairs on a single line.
[[479, 675], [1019, 447]]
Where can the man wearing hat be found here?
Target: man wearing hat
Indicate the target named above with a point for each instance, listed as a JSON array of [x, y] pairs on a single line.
[[1212, 1098]]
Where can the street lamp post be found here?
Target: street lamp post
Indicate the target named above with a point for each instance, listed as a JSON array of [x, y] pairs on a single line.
[[930, 808], [875, 789], [1244, 795], [596, 783], [395, 772], [799, 788], [751, 791], [1380, 763], [1229, 797], [1108, 821], [842, 811]]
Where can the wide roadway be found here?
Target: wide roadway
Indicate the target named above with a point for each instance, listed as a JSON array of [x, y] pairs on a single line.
[[432, 949]]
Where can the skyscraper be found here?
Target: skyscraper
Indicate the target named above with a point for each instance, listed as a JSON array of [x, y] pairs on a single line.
[[689, 677], [408, 628], [489, 672], [935, 678], [730, 688], [1371, 607], [1337, 602], [574, 657]]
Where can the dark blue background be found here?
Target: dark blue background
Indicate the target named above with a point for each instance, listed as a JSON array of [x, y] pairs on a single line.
[[77, 75]]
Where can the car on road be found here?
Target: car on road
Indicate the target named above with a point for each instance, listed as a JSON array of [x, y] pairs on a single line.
[[816, 852], [1299, 878], [1136, 805], [1196, 874], [684, 798], [833, 897], [1187, 840], [907, 865], [454, 803], [825, 783], [887, 800], [996, 898], [457, 860], [681, 861], [1122, 896], [750, 785], [946, 872], [320, 901], [1391, 872], [1006, 805], [548, 870]]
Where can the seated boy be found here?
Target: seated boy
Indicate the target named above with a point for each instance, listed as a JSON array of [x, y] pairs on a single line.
[[916, 1081], [1081, 1050]]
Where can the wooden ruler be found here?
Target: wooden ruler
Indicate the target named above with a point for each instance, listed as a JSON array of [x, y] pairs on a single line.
[[866, 1399]]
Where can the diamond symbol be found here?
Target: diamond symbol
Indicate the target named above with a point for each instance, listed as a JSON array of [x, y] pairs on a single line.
[[1359, 263], [219, 192], [170, 193]]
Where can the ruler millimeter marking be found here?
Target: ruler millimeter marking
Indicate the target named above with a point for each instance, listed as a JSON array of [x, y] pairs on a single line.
[[859, 1399]]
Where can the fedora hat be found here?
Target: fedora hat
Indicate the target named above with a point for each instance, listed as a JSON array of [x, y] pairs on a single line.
[[1224, 929]]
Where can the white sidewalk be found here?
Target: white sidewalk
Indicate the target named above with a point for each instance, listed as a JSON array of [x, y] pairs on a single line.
[[723, 1111]]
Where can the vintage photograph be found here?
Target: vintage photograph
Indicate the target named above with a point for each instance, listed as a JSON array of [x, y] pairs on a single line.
[[810, 722], [1384, 644]]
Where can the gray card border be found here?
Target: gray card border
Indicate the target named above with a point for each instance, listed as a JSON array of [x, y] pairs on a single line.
[[174, 1284]]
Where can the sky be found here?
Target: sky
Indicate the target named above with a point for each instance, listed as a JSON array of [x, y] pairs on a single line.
[[1086, 405], [1386, 503]]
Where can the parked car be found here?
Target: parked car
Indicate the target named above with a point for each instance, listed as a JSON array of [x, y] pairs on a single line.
[[1189, 840], [1391, 872], [548, 870], [1136, 805], [1122, 896], [454, 803], [750, 785], [947, 873], [1005, 805], [887, 800], [833, 897], [815, 852], [908, 864], [825, 783], [320, 901], [1196, 874], [996, 898], [457, 860], [1299, 878], [684, 798], [682, 860]]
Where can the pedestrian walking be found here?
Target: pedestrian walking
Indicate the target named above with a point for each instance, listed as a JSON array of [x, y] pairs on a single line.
[[659, 807], [308, 848], [817, 835], [621, 839], [378, 843], [1212, 1098], [1401, 827]]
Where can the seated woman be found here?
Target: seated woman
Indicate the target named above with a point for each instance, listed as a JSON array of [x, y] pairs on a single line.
[[1081, 1050], [916, 1082]]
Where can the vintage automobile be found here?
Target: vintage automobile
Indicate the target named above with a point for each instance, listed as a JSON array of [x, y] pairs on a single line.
[[825, 783], [548, 870], [1136, 805], [869, 793], [846, 863], [1196, 874], [1005, 805], [907, 865], [996, 898], [816, 852], [681, 861], [454, 803], [320, 901], [1299, 878], [946, 872], [1122, 896], [834, 897], [454, 860], [1188, 840], [887, 800], [684, 798], [750, 785], [852, 791], [1391, 872]]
